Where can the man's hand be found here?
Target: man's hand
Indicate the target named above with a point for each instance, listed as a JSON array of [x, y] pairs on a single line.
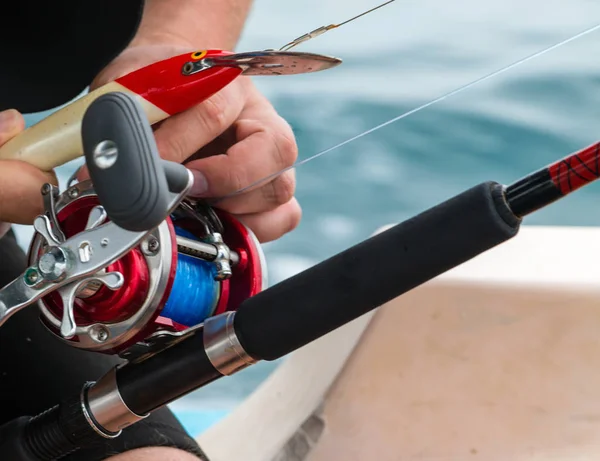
[[20, 183], [229, 141]]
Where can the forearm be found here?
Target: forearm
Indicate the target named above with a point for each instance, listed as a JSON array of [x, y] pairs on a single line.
[[202, 23]]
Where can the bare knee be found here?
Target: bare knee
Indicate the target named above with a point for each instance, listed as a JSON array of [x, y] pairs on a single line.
[[155, 454]]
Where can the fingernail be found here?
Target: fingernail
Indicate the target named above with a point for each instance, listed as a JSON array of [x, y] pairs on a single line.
[[7, 119], [200, 187]]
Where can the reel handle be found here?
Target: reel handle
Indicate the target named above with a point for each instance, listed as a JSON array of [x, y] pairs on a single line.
[[131, 180]]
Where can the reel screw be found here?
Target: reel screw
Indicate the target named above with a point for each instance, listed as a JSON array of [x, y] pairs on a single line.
[[222, 260], [31, 276], [104, 242], [105, 154], [53, 264], [85, 252], [74, 192], [151, 246], [99, 334]]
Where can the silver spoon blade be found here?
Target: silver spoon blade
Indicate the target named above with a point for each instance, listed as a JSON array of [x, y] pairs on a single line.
[[271, 62]]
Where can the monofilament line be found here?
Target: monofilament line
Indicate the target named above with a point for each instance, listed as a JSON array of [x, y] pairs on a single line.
[[420, 108]]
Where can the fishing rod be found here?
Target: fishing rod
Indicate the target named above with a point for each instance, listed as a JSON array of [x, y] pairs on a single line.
[[126, 264], [168, 363]]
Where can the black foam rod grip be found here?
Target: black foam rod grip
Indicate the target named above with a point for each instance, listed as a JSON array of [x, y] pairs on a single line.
[[124, 163], [312, 303]]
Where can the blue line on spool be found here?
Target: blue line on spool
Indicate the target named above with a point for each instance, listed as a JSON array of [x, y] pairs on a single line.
[[195, 292]]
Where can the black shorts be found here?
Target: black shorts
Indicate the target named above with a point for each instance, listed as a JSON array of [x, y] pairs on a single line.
[[37, 371]]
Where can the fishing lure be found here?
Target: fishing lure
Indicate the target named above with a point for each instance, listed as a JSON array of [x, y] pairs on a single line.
[[163, 89]]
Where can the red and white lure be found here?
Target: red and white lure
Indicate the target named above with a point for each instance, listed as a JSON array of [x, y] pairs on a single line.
[[163, 89]]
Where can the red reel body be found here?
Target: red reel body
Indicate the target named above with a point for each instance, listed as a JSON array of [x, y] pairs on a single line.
[[150, 302]]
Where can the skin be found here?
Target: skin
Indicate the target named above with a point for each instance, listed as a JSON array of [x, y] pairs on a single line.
[[155, 454], [234, 138], [229, 141], [20, 199]]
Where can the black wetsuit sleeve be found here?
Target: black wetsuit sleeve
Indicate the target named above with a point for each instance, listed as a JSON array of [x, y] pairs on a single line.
[[160, 429], [41, 371], [51, 51], [49, 54]]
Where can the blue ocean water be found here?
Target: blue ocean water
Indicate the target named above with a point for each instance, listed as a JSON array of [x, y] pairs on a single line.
[[394, 60]]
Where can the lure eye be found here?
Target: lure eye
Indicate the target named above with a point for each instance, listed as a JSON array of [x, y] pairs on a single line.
[[198, 54], [197, 65]]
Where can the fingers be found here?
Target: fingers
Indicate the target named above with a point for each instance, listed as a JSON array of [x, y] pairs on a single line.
[[273, 224], [183, 134], [180, 136], [265, 147], [266, 198], [20, 196], [20, 183], [11, 124]]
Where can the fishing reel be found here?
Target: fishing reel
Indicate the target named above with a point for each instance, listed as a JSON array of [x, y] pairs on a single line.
[[124, 263], [199, 262]]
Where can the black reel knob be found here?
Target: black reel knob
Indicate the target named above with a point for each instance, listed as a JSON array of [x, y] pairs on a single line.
[[131, 180]]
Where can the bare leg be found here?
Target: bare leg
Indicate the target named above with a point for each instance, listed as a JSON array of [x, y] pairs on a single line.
[[155, 454]]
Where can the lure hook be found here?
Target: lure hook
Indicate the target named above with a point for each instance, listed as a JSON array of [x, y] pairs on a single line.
[[321, 30]]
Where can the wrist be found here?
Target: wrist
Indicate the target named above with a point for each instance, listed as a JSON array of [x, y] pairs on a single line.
[[159, 38], [196, 24], [181, 39]]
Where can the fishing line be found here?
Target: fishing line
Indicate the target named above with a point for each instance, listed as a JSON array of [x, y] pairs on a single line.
[[321, 30], [415, 110]]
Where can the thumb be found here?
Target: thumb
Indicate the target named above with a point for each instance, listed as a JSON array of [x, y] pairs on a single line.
[[20, 182], [20, 191]]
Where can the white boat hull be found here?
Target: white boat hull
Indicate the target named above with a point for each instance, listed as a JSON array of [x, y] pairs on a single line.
[[496, 360]]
